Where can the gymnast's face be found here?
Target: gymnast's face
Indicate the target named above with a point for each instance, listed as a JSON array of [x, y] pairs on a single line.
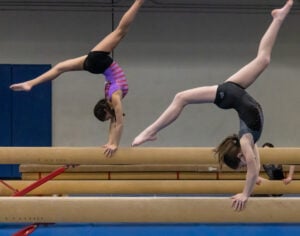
[[243, 162]]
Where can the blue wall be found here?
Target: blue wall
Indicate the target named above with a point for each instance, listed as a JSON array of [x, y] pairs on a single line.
[[25, 118]]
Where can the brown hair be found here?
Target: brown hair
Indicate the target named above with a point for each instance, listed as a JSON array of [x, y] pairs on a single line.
[[102, 108], [270, 145], [228, 150]]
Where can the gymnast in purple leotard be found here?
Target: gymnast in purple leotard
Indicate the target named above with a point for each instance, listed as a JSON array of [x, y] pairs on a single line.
[[98, 61]]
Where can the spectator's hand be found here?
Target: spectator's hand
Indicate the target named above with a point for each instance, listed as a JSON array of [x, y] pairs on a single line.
[[239, 202], [259, 180], [287, 180]]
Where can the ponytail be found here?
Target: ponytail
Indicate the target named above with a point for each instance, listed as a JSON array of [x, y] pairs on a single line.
[[227, 152]]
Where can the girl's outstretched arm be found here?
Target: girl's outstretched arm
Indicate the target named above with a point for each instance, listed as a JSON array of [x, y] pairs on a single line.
[[116, 127], [239, 200]]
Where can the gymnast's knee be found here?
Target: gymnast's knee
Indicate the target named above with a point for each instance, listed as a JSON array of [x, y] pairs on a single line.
[[121, 31], [60, 68], [264, 60], [180, 99]]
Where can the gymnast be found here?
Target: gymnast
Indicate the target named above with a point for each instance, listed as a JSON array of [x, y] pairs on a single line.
[[98, 61], [241, 150]]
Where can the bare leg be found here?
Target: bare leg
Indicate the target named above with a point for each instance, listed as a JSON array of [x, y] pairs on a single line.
[[249, 73], [54, 72], [113, 39], [107, 44], [192, 96]]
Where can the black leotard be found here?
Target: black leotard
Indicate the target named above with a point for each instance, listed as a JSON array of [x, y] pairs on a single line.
[[97, 62], [231, 95]]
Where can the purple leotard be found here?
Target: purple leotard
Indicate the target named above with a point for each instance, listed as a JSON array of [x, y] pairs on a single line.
[[99, 62], [115, 79]]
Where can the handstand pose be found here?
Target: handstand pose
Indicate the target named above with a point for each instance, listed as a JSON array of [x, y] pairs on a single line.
[[98, 61], [237, 150]]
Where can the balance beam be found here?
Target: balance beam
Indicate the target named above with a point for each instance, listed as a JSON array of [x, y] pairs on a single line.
[[135, 172], [124, 168], [163, 155], [144, 176], [141, 172], [31, 168], [140, 187], [146, 210]]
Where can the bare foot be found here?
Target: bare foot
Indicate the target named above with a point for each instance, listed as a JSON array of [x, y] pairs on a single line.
[[281, 13], [20, 87], [142, 138]]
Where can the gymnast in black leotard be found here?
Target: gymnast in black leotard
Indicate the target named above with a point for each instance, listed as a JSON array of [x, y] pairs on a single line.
[[241, 150], [233, 96]]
